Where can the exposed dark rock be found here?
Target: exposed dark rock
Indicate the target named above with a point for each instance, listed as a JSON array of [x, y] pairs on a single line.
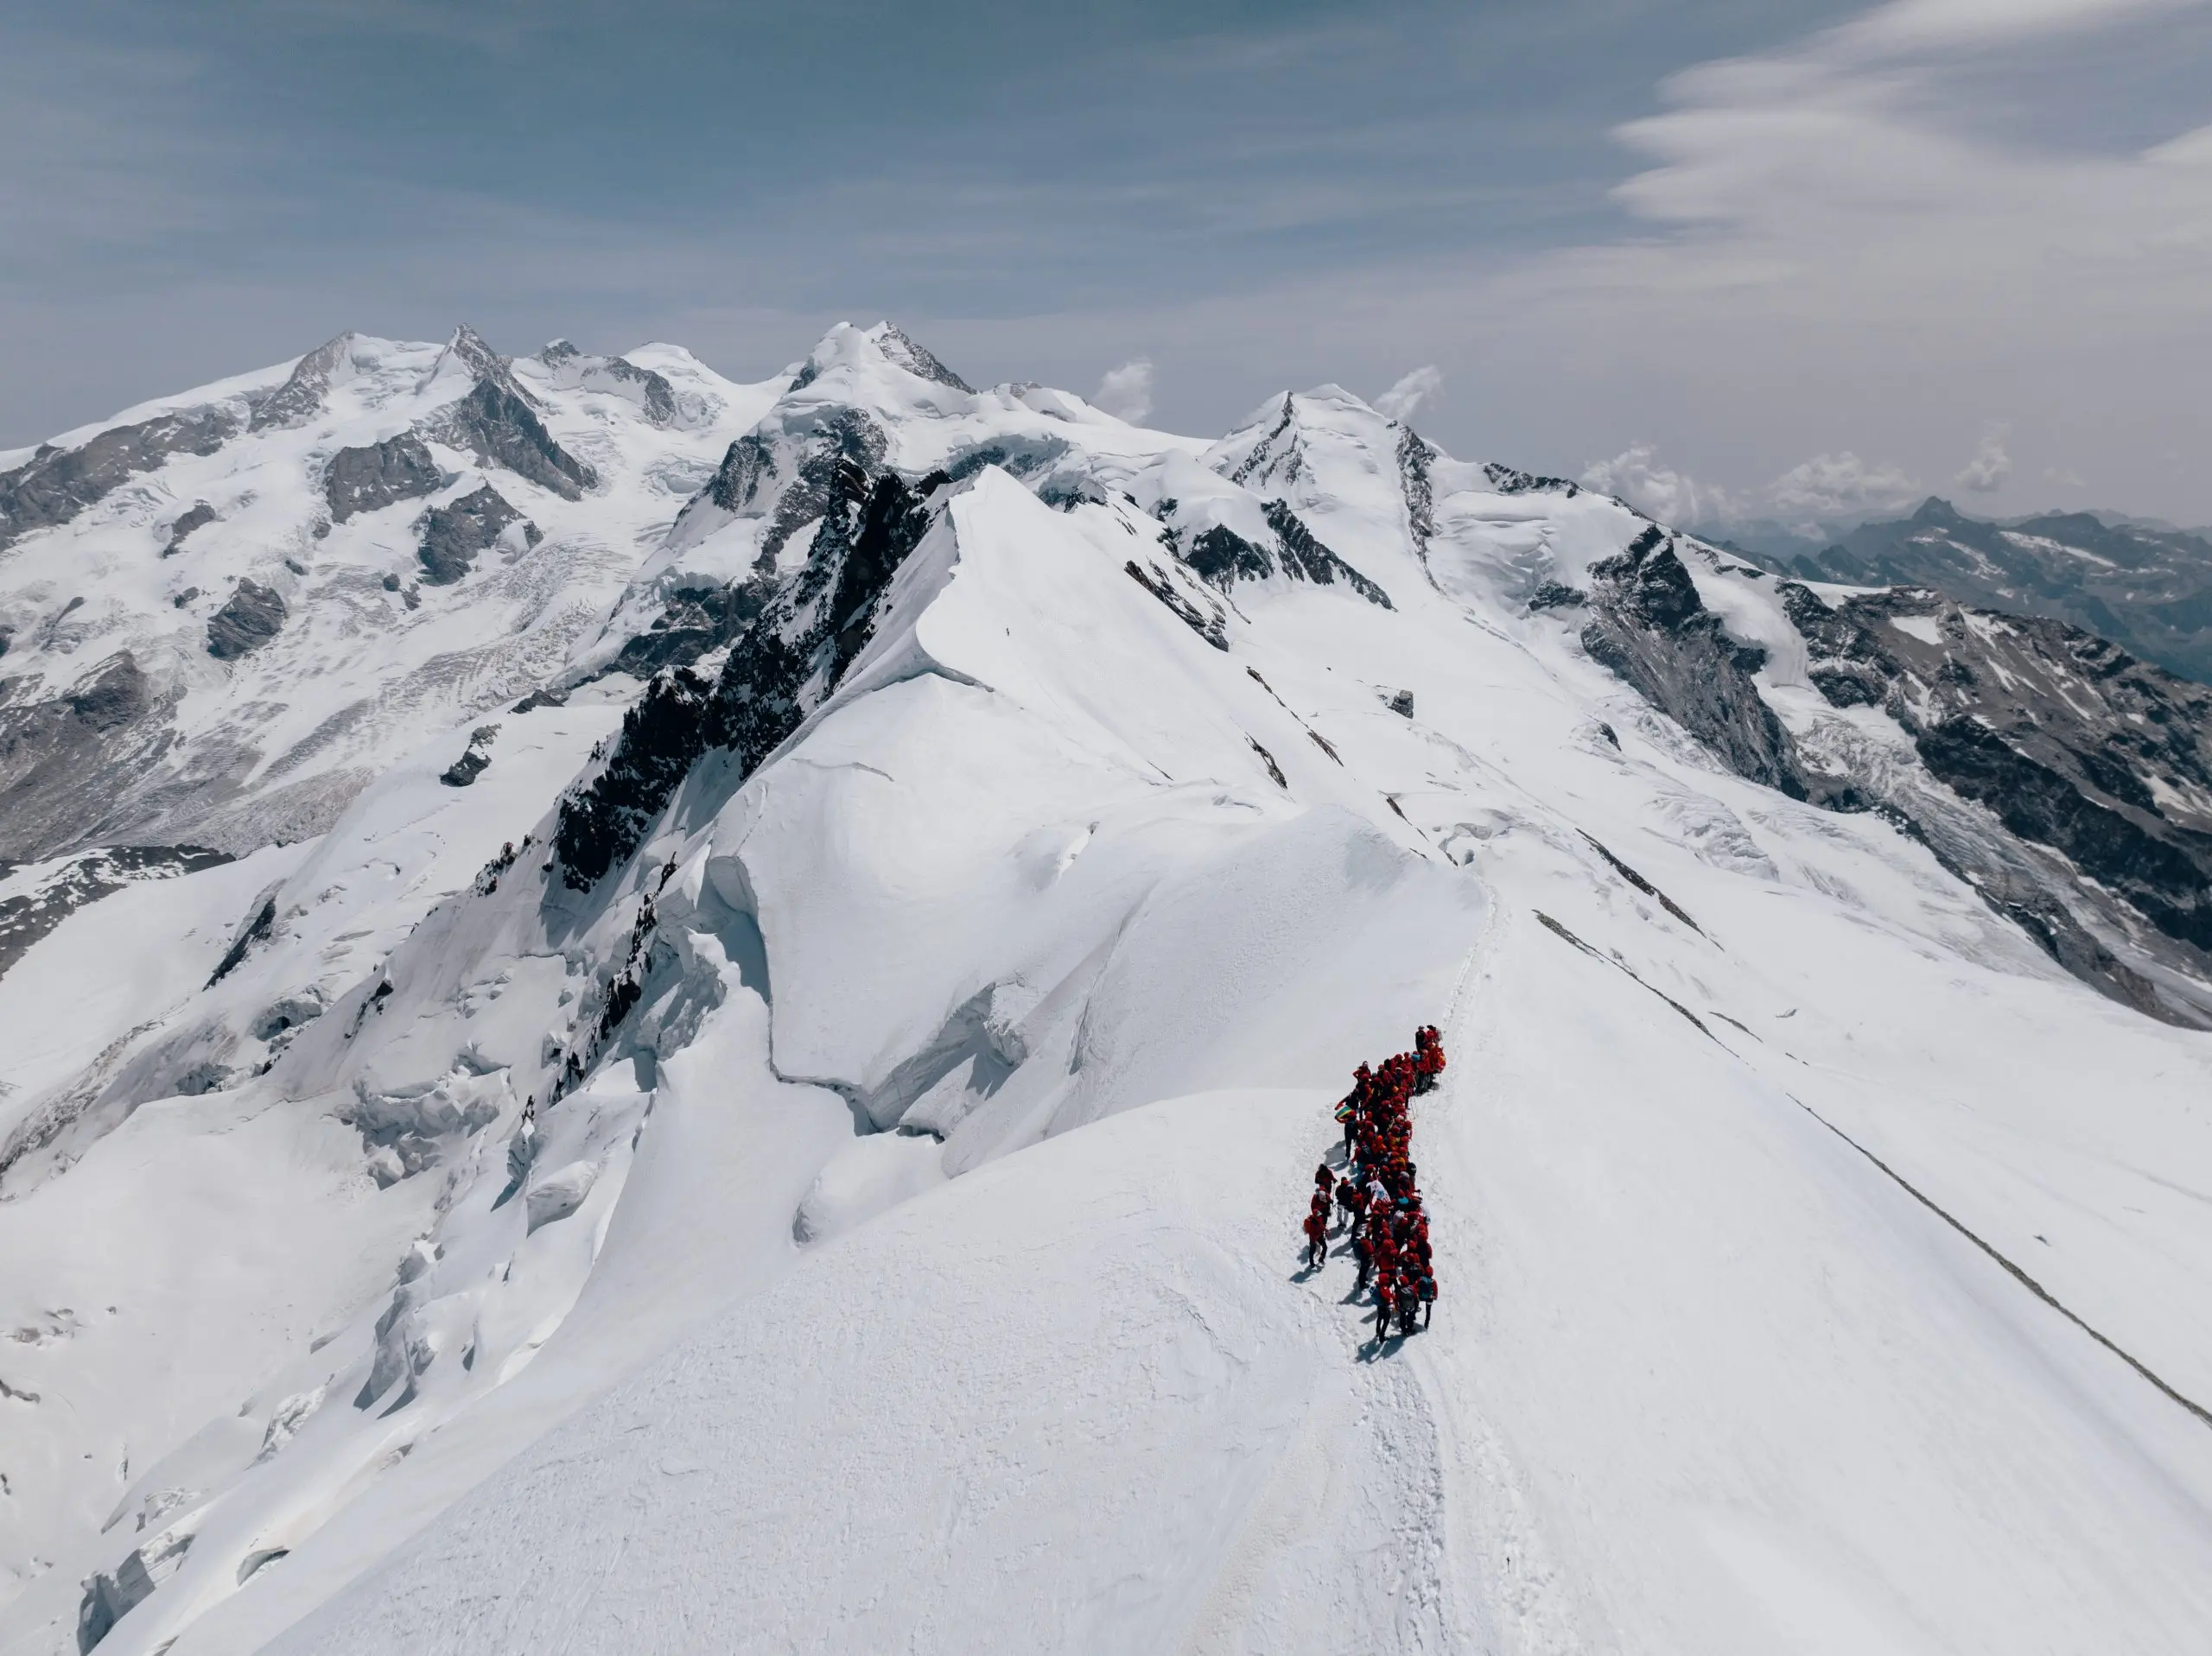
[[1552, 596], [185, 597], [538, 698], [199, 517], [652, 393], [845, 437], [2147, 588], [916, 360], [1643, 885], [496, 421], [2168, 880], [29, 916], [1506, 480], [474, 760], [694, 620], [1220, 556], [250, 619], [605, 820], [1210, 623], [115, 697], [254, 930], [807, 629], [65, 761], [1650, 627], [362, 480], [2070, 741], [453, 534], [56, 484], [301, 397], [1415, 458], [1302, 555]]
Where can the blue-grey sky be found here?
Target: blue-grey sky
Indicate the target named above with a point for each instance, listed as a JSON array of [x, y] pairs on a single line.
[[1753, 257]]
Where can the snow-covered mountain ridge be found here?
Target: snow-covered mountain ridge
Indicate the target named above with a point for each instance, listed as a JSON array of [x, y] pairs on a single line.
[[762, 1101]]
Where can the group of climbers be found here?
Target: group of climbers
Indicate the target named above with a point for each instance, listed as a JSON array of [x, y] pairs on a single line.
[[1376, 1197]]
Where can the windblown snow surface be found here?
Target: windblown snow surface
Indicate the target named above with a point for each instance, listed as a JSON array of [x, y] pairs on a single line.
[[913, 1263]]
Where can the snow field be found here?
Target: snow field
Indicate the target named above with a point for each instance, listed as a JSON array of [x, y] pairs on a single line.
[[917, 1265]]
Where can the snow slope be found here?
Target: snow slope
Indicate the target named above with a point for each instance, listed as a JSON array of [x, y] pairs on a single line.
[[861, 1209]]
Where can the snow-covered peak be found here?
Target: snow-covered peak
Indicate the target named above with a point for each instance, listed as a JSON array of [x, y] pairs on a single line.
[[756, 999]]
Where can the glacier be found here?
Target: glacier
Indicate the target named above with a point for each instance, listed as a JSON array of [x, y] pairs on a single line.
[[718, 1020]]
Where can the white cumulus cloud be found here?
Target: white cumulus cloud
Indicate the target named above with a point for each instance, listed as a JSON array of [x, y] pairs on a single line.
[[1991, 468], [1636, 475], [1410, 392], [1836, 486], [1126, 391]]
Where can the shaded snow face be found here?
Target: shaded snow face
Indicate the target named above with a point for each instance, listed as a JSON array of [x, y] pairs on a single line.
[[837, 910]]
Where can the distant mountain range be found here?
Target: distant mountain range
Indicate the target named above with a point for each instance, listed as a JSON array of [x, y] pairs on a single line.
[[2148, 587]]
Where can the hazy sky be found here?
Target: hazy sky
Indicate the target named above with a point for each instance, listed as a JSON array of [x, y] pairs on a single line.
[[1775, 257]]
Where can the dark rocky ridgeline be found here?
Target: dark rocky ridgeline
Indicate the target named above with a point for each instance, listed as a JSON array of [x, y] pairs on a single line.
[[56, 484], [1416, 461], [807, 629], [2070, 740], [842, 451], [1221, 557], [844, 437], [1211, 624], [694, 620], [199, 517], [1304, 555], [497, 422], [29, 915], [362, 480], [915, 359], [1648, 625], [453, 534], [301, 398], [1508, 480], [249, 620], [2147, 588], [652, 393], [1275, 457]]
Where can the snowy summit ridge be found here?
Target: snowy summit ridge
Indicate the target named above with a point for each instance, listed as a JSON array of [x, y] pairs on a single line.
[[655, 1013]]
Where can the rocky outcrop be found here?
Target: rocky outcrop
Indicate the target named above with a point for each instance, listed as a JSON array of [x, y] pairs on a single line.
[[807, 629], [27, 915], [453, 534], [1650, 627], [64, 759], [198, 516], [362, 480], [496, 422], [253, 616], [1221, 557], [2147, 588], [655, 397], [474, 760], [914, 357], [2067, 738], [305, 390], [56, 484], [844, 437]]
